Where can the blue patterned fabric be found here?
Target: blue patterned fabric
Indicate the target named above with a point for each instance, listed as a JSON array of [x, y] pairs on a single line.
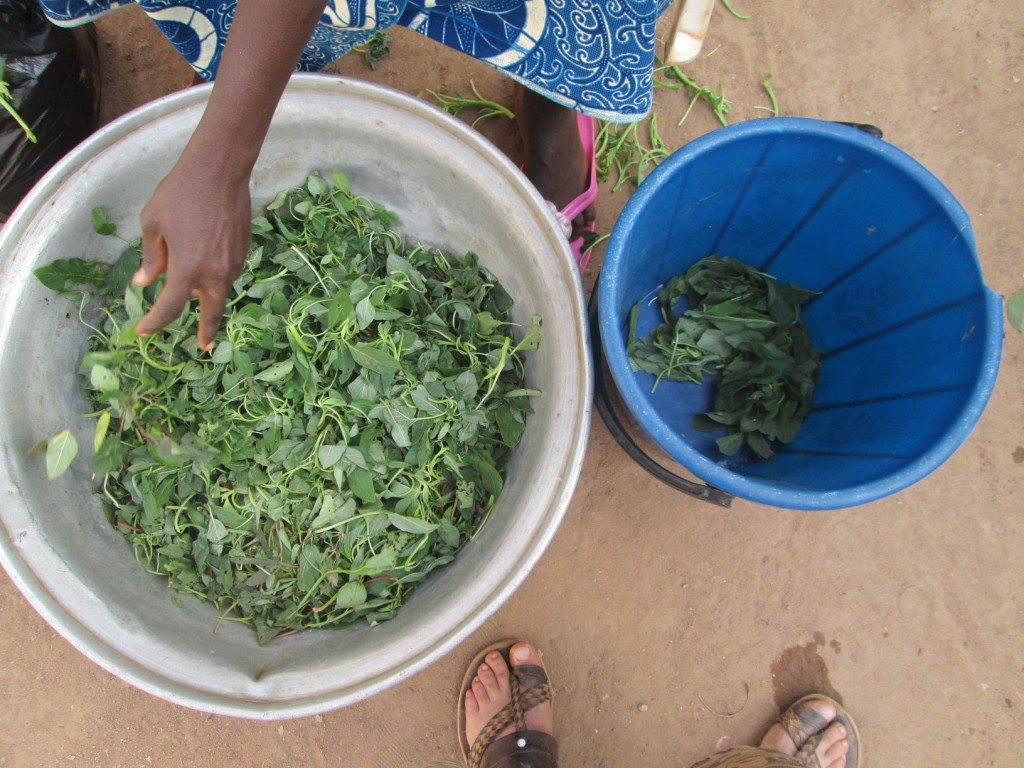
[[596, 56]]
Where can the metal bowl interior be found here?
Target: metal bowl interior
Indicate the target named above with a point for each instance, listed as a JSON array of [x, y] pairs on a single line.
[[450, 188]]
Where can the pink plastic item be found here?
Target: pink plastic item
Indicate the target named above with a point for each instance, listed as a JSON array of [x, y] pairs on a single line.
[[575, 207]]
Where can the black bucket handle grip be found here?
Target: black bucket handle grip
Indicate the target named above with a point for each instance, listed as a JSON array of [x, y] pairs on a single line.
[[603, 403]]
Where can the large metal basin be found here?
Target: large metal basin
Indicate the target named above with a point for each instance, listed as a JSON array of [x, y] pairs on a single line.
[[450, 188]]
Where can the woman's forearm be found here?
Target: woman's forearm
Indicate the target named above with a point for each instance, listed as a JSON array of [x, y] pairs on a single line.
[[196, 226], [263, 47]]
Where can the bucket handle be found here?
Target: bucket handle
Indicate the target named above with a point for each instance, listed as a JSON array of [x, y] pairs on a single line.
[[603, 402], [872, 130]]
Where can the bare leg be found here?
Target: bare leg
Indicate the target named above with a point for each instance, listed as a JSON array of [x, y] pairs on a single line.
[[555, 161]]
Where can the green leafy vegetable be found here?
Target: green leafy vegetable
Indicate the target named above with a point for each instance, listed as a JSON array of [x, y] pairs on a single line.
[[629, 153], [1015, 310], [5, 102], [101, 222], [65, 274], [346, 436], [744, 328], [770, 90], [593, 239], [61, 450], [376, 49]]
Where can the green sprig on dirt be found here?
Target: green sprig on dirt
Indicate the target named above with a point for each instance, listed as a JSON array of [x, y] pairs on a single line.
[[770, 90], [628, 152], [728, 6], [675, 79], [485, 108]]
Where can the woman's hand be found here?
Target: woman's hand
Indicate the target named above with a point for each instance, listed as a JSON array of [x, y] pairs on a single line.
[[196, 227]]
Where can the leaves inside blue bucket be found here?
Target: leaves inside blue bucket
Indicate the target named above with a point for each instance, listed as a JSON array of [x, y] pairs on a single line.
[[743, 327]]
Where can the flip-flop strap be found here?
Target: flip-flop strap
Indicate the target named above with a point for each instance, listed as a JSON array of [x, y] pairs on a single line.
[[800, 722], [486, 737], [748, 757], [806, 755], [529, 688]]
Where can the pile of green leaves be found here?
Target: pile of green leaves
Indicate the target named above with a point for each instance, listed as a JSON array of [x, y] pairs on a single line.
[[346, 436], [744, 328]]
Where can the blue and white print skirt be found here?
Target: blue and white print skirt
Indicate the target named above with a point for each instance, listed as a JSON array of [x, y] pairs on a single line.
[[595, 56]]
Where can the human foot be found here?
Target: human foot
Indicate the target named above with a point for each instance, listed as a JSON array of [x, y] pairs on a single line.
[[555, 159], [814, 730], [511, 704]]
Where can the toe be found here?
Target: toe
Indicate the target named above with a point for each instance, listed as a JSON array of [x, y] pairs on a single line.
[[833, 735], [472, 706], [524, 653], [833, 747], [486, 676], [825, 709], [777, 741], [496, 663], [827, 749], [479, 690]]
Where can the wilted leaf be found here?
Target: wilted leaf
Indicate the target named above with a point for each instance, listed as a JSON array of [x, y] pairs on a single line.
[[1015, 310], [61, 450]]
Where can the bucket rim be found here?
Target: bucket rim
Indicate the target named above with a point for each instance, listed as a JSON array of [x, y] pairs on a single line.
[[611, 284]]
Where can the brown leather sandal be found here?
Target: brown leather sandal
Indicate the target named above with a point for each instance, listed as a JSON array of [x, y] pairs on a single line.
[[522, 748], [806, 728]]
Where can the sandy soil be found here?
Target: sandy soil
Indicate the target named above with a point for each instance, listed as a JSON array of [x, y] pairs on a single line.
[[666, 622]]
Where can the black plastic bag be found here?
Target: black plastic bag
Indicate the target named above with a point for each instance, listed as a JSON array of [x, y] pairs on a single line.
[[54, 80]]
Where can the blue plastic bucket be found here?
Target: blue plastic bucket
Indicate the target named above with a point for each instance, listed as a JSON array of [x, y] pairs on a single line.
[[910, 335]]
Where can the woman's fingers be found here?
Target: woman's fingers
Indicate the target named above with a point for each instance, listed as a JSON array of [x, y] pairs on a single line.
[[154, 258], [211, 310], [167, 308], [196, 228]]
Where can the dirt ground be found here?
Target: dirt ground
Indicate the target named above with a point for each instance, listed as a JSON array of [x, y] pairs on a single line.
[[668, 623]]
